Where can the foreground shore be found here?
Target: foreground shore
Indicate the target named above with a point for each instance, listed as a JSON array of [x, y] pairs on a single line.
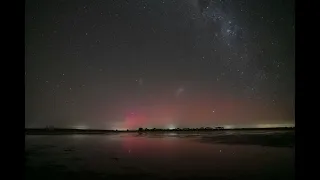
[[260, 154]]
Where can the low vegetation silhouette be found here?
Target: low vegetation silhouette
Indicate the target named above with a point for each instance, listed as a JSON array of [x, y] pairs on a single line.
[[52, 130]]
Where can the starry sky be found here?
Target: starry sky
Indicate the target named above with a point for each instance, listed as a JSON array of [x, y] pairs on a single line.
[[124, 64]]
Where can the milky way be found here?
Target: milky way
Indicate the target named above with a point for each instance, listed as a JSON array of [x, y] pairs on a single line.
[[134, 63]]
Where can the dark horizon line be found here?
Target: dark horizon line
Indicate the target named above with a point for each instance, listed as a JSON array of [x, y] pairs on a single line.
[[186, 129], [66, 130]]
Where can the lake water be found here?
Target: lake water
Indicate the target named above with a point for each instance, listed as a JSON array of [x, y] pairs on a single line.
[[213, 155]]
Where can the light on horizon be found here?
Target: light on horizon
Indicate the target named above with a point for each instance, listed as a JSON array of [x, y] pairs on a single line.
[[229, 127], [81, 127], [171, 126], [273, 125]]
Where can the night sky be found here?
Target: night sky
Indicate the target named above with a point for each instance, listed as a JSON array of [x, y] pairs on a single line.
[[118, 64]]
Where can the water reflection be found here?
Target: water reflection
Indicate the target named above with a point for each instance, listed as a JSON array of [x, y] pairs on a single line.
[[163, 155]]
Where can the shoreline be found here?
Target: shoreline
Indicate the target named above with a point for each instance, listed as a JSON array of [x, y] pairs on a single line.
[[61, 131]]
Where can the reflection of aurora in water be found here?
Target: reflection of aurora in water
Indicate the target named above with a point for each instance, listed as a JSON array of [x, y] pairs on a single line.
[[159, 155]]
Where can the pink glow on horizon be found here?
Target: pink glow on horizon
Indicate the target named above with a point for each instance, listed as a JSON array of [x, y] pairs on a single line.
[[197, 111], [134, 120]]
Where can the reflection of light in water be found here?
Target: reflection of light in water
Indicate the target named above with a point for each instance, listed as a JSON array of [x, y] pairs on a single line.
[[172, 134], [78, 136]]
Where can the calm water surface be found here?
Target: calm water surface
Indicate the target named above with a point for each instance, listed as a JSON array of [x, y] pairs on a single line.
[[217, 155]]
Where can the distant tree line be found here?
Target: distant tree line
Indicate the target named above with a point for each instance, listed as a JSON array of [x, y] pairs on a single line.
[[49, 128]]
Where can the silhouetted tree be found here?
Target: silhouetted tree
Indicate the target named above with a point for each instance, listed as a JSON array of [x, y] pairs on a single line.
[[140, 129]]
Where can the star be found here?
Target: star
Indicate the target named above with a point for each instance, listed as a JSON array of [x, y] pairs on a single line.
[[186, 64]]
